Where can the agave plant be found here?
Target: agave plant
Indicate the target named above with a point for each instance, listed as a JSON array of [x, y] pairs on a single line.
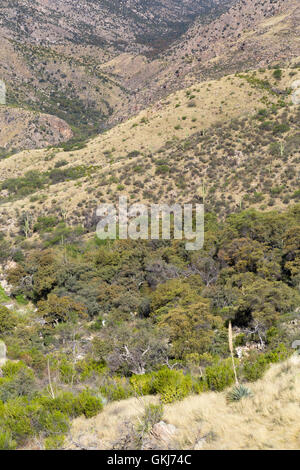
[[238, 392]]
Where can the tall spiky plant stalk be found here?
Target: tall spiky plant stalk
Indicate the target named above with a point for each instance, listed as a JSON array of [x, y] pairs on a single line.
[[230, 341], [49, 379]]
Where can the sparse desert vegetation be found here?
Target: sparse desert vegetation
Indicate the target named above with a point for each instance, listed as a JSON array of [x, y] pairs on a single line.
[[269, 419], [143, 344]]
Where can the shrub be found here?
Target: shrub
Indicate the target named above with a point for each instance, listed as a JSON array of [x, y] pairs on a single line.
[[172, 385], [255, 369], [71, 405], [277, 74], [54, 442], [17, 417], [6, 441], [44, 224], [116, 388], [67, 371], [279, 354], [88, 404], [53, 423], [162, 169], [275, 149], [142, 384], [11, 369], [60, 309], [153, 414], [88, 368], [219, 376], [7, 320], [21, 384], [280, 128]]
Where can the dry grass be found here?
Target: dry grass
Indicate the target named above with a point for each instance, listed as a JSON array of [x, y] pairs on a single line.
[[268, 420], [215, 101]]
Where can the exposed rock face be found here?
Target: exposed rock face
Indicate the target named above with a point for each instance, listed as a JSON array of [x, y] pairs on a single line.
[[161, 436], [23, 129]]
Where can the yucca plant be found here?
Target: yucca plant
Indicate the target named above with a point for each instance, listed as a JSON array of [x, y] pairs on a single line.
[[230, 341], [238, 392]]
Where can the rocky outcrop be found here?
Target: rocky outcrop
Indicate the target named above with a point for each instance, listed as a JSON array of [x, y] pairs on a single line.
[[161, 436], [21, 129]]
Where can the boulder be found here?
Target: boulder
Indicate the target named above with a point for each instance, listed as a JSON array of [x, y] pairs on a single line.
[[160, 437], [200, 444]]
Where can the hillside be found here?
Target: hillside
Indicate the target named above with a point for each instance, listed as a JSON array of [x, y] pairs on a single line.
[[248, 35], [52, 53], [123, 25], [146, 342], [96, 81], [20, 128], [233, 142], [268, 420]]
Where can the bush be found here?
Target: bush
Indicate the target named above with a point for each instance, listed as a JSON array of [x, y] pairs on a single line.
[[17, 417], [6, 441], [21, 384], [277, 74], [71, 405], [116, 388], [54, 442], [279, 354], [255, 369], [11, 369], [219, 376], [280, 129], [172, 385], [53, 423], [153, 414], [88, 404], [45, 224], [142, 384], [7, 320], [88, 368]]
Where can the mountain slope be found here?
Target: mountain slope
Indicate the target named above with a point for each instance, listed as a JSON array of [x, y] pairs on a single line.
[[20, 128], [52, 53], [232, 142], [208, 421], [51, 64], [249, 35], [122, 24]]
